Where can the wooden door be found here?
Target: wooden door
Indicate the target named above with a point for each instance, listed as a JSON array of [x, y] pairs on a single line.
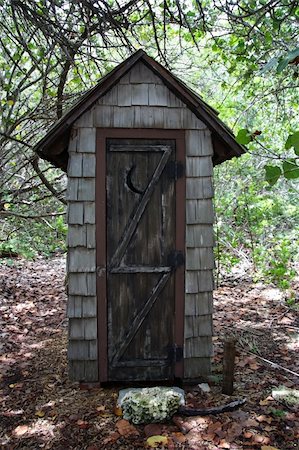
[[141, 258]]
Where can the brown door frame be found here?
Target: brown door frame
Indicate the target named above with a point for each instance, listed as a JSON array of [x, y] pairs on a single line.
[[102, 134]]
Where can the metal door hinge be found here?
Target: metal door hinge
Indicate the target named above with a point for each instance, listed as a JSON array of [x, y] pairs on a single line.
[[175, 169], [175, 353], [176, 259]]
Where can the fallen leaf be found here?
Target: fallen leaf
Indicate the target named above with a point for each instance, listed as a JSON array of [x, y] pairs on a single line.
[[20, 430], [178, 437], [112, 438], [247, 434], [155, 441], [259, 438], [82, 424], [263, 418], [254, 366], [268, 447], [152, 429], [224, 444], [100, 408], [233, 431], [118, 411], [267, 401], [251, 423], [40, 413], [126, 429]]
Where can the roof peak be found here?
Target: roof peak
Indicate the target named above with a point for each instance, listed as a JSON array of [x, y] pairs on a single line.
[[53, 147]]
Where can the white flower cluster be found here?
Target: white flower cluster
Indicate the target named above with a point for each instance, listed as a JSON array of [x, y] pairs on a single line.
[[150, 405]]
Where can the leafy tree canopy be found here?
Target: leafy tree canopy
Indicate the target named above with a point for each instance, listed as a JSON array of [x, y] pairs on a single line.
[[241, 56]]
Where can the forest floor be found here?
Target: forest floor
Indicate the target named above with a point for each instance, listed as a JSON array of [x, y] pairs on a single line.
[[41, 408]]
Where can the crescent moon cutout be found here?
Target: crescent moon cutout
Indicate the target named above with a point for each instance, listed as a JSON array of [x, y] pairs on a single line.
[[129, 181]]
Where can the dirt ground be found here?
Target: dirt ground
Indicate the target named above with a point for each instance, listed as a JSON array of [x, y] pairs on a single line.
[[41, 408]]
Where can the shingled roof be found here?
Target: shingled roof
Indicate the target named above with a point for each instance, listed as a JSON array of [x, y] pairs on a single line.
[[54, 146]]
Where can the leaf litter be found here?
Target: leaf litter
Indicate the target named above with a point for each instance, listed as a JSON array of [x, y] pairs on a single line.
[[41, 408]]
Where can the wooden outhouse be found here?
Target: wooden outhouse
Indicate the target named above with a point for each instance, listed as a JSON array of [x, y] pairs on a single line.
[[139, 150]]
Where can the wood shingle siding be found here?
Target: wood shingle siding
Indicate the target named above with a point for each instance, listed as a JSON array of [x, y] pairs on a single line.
[[199, 211], [199, 235], [198, 304]]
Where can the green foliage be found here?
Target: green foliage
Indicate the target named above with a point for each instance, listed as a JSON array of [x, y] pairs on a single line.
[[30, 239], [255, 227], [272, 174], [293, 141], [280, 413], [243, 137]]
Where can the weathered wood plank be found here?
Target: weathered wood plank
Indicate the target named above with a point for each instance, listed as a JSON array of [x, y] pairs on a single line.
[[205, 280], [174, 102], [124, 95], [199, 258], [76, 236], [86, 189], [86, 120], [190, 121], [199, 188], [199, 166], [195, 368], [81, 350], [74, 306], [75, 165], [199, 211], [76, 370], [89, 306], [103, 116], [142, 74], [191, 281], [198, 304], [196, 347], [72, 189], [198, 326], [111, 98], [90, 328], [89, 213], [173, 118], [73, 143], [82, 284], [125, 79], [148, 117], [93, 350], [75, 213], [199, 281], [81, 259], [199, 142], [87, 140], [200, 236], [91, 371], [140, 94], [90, 236], [76, 329], [88, 165], [91, 283], [78, 349], [123, 117], [158, 95]]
